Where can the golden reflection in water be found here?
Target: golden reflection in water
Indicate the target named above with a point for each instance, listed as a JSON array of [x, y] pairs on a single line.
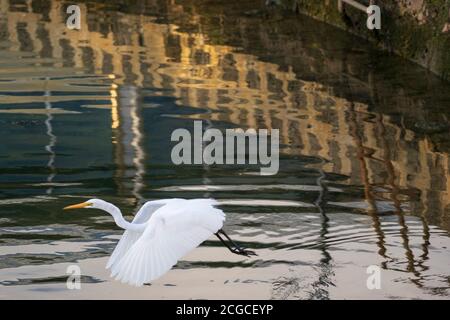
[[239, 88], [115, 123], [391, 162], [246, 91]]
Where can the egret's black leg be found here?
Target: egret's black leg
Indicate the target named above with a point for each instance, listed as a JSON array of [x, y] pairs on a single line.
[[223, 242], [235, 248]]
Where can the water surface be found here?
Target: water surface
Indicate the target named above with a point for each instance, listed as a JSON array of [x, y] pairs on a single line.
[[364, 168]]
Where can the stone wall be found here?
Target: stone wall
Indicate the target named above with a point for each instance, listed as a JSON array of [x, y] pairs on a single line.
[[418, 30]]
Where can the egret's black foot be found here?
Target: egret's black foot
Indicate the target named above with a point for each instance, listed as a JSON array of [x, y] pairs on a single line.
[[234, 247], [243, 251]]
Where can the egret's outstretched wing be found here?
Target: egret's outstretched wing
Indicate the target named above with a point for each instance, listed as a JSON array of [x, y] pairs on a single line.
[[171, 233], [129, 237]]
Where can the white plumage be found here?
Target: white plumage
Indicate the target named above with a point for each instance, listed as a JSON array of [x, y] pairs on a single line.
[[162, 232], [129, 237], [171, 231]]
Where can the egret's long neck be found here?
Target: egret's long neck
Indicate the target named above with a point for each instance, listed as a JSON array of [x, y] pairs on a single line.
[[119, 219]]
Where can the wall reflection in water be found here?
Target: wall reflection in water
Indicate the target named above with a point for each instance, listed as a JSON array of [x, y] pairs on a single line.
[[372, 124]]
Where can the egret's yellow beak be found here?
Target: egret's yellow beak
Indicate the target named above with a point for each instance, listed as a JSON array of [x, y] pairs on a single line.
[[78, 206]]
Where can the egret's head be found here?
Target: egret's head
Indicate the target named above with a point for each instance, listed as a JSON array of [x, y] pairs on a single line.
[[90, 204]]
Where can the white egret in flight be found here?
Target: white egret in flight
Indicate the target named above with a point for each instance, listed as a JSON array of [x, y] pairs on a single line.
[[162, 232]]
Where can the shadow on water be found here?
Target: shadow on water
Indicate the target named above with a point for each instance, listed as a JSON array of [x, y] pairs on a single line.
[[364, 167]]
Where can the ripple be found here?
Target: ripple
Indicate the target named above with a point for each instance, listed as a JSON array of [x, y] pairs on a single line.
[[246, 187], [35, 199], [26, 230], [264, 202], [38, 111], [48, 280]]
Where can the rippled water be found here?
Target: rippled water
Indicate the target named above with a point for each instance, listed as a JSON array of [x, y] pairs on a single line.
[[364, 170]]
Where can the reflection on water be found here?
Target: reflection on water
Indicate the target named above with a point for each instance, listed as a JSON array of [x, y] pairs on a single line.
[[364, 170]]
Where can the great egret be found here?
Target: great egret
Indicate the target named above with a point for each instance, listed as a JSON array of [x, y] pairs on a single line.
[[162, 232]]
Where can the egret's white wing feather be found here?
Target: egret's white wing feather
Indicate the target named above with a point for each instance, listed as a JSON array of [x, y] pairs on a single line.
[[172, 232], [126, 241], [129, 237], [150, 207]]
